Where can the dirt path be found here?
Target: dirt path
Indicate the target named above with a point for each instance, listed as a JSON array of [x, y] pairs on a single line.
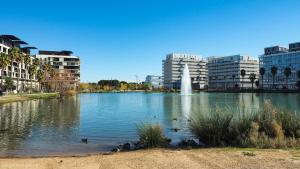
[[168, 159]]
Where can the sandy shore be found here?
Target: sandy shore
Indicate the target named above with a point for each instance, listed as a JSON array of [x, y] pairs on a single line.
[[169, 159]]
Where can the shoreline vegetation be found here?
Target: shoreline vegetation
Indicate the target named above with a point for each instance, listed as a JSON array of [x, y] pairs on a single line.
[[268, 128], [23, 97]]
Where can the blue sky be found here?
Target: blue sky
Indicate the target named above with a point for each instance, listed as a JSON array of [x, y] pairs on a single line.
[[117, 39]]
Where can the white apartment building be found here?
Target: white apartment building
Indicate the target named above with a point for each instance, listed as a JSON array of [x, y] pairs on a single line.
[[173, 66], [17, 71], [225, 72], [66, 65], [281, 58], [155, 81]]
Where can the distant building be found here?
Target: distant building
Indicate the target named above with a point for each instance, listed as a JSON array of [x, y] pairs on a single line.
[[155, 81], [173, 66], [18, 71], [66, 65], [281, 58], [225, 72]]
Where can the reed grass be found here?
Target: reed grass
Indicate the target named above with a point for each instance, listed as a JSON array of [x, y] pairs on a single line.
[[266, 128]]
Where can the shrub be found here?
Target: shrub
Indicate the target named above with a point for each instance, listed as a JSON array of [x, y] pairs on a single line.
[[267, 128], [212, 128], [151, 136]]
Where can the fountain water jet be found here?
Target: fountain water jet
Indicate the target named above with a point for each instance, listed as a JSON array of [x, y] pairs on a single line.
[[186, 85]]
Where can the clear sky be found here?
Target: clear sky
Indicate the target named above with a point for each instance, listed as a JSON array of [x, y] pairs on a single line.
[[117, 39]]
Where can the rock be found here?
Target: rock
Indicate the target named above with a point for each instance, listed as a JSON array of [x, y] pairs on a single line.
[[116, 149], [188, 143], [126, 147], [168, 140], [138, 145], [84, 140]]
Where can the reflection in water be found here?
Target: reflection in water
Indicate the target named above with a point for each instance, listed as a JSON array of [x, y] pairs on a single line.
[[186, 106], [43, 127], [33, 121]]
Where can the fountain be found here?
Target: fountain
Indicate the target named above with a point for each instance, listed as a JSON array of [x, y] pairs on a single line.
[[186, 85]]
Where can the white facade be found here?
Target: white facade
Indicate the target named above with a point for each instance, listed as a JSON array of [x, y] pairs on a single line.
[[63, 61], [155, 81], [287, 58], [225, 72], [17, 71], [173, 66]]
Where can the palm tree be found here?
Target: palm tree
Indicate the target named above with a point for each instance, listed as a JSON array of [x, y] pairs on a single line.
[[14, 55], [40, 76], [27, 61], [19, 60], [31, 71], [287, 72], [262, 72], [243, 73], [252, 78], [4, 62], [36, 62], [273, 72]]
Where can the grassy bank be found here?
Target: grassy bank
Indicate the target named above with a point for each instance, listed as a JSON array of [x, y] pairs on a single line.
[[24, 97]]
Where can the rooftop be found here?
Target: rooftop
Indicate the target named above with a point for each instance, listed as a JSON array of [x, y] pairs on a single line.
[[60, 53]]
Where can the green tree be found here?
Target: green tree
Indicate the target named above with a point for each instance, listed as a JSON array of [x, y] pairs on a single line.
[[252, 78], [274, 72], [9, 83], [287, 72], [257, 83], [32, 70], [15, 56], [4, 62], [243, 73], [36, 62], [40, 77], [262, 72]]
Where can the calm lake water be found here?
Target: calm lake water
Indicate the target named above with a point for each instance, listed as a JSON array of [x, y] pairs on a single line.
[[47, 127]]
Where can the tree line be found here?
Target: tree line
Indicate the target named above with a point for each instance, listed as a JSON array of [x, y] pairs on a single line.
[[109, 85]]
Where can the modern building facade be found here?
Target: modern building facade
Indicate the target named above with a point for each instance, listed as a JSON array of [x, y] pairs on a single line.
[[65, 64], [173, 66], [155, 81], [225, 72], [17, 70], [281, 58]]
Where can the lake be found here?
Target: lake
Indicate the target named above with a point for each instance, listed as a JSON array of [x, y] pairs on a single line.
[[51, 127]]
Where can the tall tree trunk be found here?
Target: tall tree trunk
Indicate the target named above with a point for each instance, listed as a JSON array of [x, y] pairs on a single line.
[[273, 82], [262, 82], [242, 82], [11, 70], [2, 75], [18, 78], [31, 85]]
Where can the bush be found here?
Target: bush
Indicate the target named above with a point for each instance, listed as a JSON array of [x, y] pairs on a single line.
[[212, 128], [151, 136], [267, 128]]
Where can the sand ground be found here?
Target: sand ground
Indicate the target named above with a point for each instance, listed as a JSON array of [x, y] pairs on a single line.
[[165, 159]]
